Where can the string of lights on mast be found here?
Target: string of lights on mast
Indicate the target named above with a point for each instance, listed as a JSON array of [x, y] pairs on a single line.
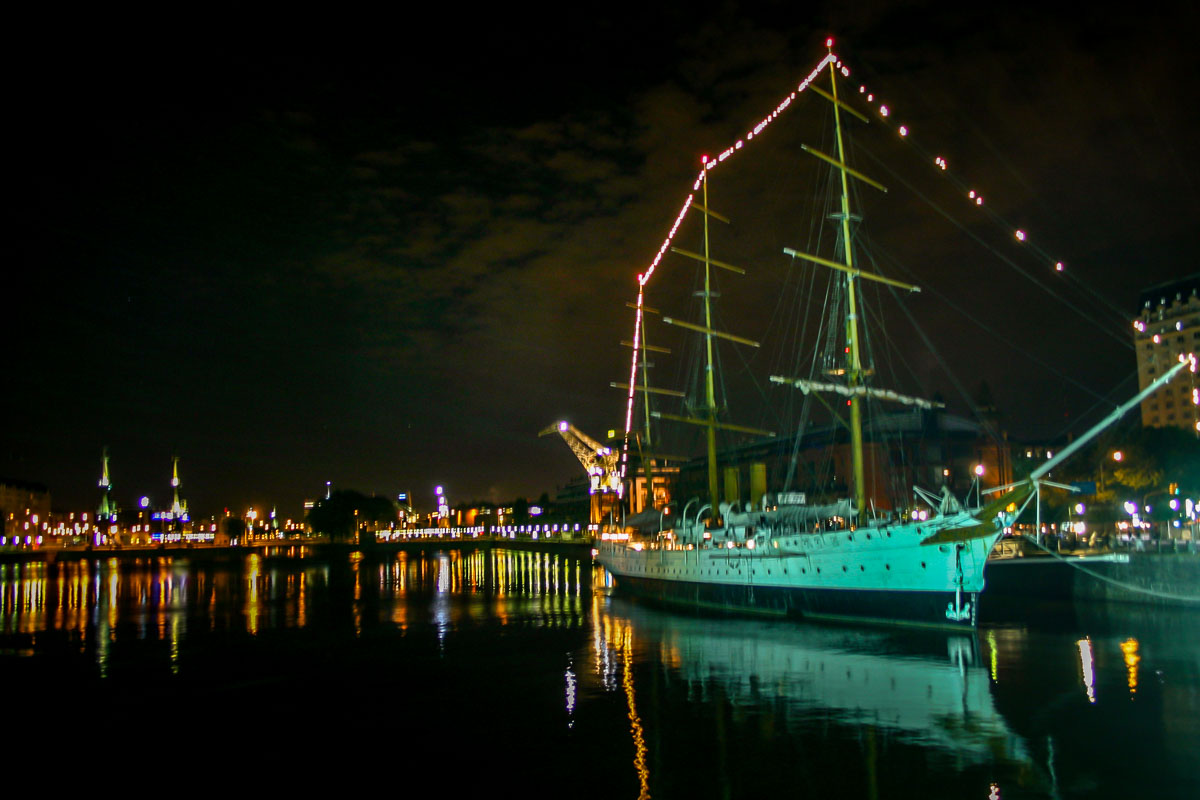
[[974, 196]]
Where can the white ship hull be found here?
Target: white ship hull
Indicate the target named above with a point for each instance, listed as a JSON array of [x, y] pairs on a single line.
[[879, 574]]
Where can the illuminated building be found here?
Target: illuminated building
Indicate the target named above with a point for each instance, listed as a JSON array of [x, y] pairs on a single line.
[[1169, 324], [924, 447], [22, 502], [406, 513], [443, 506]]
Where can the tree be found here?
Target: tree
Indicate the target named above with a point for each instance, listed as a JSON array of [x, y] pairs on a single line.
[[520, 511], [339, 515], [235, 528], [1150, 461]]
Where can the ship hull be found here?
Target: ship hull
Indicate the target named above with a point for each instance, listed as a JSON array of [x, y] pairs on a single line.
[[845, 576], [873, 606]]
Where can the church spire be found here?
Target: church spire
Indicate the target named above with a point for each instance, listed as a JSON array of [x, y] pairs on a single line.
[[108, 508], [178, 509]]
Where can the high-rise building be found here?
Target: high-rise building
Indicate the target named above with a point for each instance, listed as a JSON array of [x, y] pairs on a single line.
[[1169, 325]]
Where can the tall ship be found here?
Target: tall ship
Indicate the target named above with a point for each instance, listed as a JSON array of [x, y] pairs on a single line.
[[782, 552]]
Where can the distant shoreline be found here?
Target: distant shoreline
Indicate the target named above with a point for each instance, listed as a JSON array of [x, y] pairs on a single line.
[[273, 549]]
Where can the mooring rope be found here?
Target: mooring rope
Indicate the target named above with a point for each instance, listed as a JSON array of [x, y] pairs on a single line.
[[1119, 584]]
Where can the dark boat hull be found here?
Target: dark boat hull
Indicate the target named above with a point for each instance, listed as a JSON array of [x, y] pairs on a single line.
[[1166, 580], [913, 608]]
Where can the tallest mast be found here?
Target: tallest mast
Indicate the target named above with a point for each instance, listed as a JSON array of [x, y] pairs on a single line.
[[710, 391], [854, 361]]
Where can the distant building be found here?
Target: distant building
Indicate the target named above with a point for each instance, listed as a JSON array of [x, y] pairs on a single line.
[[573, 499], [24, 507], [903, 448], [1168, 325]]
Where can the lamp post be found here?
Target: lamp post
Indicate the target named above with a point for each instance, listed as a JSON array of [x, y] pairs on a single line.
[[1117, 456], [979, 470]]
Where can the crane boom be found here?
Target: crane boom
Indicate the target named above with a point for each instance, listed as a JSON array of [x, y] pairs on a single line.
[[599, 461]]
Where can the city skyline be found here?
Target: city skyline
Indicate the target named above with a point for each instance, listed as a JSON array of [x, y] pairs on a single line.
[[391, 269]]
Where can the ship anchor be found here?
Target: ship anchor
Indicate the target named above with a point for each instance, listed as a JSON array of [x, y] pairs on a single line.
[[958, 611]]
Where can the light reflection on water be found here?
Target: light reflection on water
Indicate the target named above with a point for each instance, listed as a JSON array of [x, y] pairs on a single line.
[[1056, 705], [157, 597], [927, 692], [531, 653]]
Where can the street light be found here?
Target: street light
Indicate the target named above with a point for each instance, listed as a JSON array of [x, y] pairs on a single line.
[[1117, 456]]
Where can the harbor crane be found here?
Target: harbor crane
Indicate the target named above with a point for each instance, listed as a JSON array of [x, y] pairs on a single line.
[[598, 461]]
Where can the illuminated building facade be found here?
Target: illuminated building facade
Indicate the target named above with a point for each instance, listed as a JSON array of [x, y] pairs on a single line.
[[922, 447], [24, 506], [1168, 325], [443, 508]]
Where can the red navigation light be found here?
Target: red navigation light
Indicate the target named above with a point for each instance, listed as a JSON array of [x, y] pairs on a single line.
[[829, 42]]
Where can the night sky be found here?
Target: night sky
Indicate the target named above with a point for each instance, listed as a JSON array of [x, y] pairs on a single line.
[[387, 253]]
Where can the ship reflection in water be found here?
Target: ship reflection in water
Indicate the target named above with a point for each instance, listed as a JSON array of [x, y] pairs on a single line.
[[1059, 708], [842, 710], [514, 670]]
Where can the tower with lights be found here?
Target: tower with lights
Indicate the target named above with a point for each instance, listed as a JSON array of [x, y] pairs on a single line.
[[443, 506], [108, 508], [178, 509]]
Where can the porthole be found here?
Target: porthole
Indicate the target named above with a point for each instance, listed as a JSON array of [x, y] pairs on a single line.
[[862, 568], [922, 565]]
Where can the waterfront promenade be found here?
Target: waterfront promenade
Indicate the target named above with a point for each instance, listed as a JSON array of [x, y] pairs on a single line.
[[295, 547]]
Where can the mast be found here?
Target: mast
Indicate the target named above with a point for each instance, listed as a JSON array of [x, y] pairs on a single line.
[[855, 388], [854, 362], [709, 386], [649, 444], [706, 415]]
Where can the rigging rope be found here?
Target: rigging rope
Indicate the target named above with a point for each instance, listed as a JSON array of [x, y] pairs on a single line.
[[1119, 584], [1023, 272], [997, 334], [987, 426], [1006, 225]]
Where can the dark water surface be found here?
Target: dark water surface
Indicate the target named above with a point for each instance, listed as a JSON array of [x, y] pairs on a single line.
[[517, 674]]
